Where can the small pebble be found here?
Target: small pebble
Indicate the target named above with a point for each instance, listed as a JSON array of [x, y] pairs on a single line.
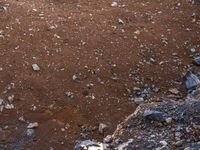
[[32, 125], [102, 127], [29, 132], [35, 67], [114, 4]]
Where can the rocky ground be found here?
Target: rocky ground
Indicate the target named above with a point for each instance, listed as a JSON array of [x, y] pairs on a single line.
[[73, 70], [169, 124]]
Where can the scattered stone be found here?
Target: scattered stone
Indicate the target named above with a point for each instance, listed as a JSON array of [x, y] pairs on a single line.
[[169, 120], [179, 143], [69, 94], [102, 127], [114, 4], [9, 106], [174, 91], [10, 86], [193, 50], [197, 60], [32, 125], [35, 67], [138, 100], [192, 81], [126, 146], [88, 145], [30, 132], [120, 21], [11, 98], [107, 139], [74, 77], [146, 93], [21, 119], [164, 144], [154, 115]]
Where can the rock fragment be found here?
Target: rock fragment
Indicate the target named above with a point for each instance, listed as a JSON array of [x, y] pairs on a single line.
[[102, 128], [155, 115], [174, 91], [35, 67], [192, 81], [88, 145], [9, 106], [114, 4], [197, 60], [29, 132], [69, 94], [120, 21], [1, 105], [107, 139], [32, 125], [138, 100], [126, 146]]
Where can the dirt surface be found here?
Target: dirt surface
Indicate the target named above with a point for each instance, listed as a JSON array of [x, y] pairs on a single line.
[[100, 54]]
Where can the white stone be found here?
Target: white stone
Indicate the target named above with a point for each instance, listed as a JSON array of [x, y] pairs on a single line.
[[35, 67], [193, 50], [120, 21], [32, 125], [74, 77], [9, 106], [114, 4], [11, 98]]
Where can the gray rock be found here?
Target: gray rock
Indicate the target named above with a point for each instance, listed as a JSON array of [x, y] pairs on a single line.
[[126, 146], [155, 115], [102, 128], [29, 132], [192, 81], [197, 60]]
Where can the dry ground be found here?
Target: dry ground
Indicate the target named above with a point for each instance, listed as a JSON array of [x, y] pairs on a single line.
[[111, 51]]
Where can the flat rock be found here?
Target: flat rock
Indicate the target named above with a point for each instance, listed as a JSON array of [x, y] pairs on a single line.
[[155, 115]]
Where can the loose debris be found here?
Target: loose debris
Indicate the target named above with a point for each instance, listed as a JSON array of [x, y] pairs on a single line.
[[32, 125], [89, 145], [192, 81], [35, 67], [197, 60]]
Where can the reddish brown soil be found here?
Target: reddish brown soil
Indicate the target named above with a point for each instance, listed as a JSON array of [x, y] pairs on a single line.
[[87, 39]]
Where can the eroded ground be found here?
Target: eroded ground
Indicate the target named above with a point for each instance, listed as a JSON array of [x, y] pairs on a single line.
[[99, 52]]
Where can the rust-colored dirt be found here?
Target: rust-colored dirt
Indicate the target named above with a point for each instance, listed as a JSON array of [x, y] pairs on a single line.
[[68, 37]]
